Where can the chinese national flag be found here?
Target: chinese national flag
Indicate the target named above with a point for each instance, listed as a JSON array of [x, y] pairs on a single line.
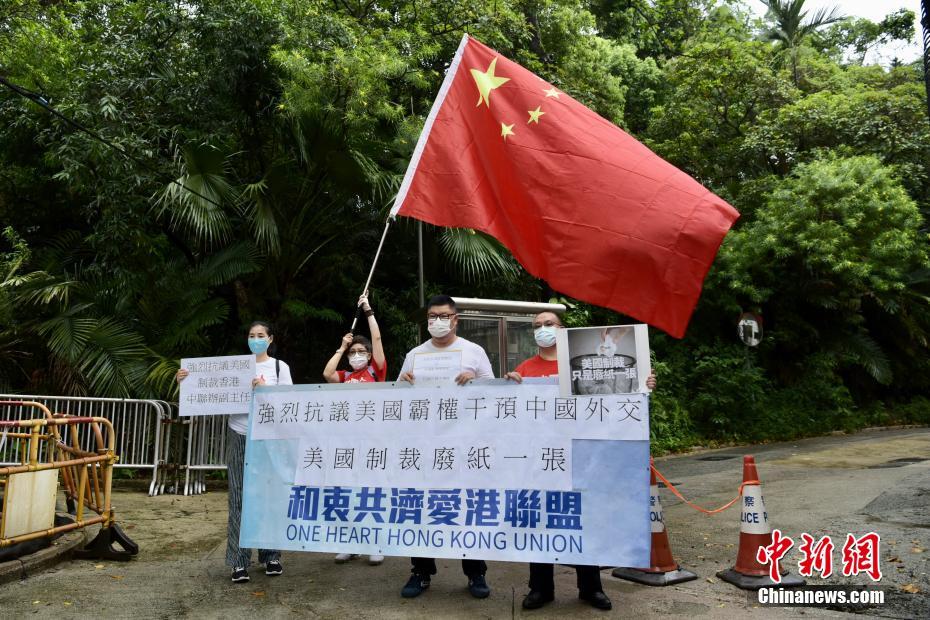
[[578, 201]]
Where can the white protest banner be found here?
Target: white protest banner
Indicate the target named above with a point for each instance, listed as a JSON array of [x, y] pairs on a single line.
[[475, 461], [437, 369], [491, 470], [217, 385], [479, 409]]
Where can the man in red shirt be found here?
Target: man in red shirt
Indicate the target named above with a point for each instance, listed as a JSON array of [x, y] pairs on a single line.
[[542, 583]]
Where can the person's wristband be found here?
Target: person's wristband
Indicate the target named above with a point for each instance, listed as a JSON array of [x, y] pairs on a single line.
[[369, 312]]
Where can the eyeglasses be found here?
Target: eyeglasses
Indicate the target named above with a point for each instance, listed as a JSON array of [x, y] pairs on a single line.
[[354, 351], [546, 324], [444, 317]]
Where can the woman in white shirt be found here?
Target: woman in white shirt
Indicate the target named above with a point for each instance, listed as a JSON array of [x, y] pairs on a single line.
[[268, 371]]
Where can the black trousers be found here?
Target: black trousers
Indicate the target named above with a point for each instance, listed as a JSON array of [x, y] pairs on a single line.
[[541, 578], [427, 566]]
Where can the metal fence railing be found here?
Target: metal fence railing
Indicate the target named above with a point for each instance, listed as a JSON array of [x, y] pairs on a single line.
[[206, 450], [137, 425], [148, 434]]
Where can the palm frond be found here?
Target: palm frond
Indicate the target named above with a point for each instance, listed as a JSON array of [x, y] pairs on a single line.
[[384, 183], [824, 17], [42, 289], [64, 249], [861, 349], [112, 363], [160, 378], [193, 202], [477, 255], [187, 331], [228, 264], [259, 212], [66, 335]]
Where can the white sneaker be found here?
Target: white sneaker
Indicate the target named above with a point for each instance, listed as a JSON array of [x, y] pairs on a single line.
[[374, 560], [342, 558]]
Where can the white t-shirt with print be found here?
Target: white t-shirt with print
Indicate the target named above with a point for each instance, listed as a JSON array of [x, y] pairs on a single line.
[[239, 422], [474, 358]]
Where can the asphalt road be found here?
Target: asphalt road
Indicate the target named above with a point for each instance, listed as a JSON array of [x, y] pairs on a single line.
[[825, 486]]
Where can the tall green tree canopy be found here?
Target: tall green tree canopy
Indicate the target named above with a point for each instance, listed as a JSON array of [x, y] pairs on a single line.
[[255, 146]]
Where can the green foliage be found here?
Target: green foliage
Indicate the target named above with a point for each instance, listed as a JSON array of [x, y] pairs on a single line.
[[888, 121], [260, 143], [721, 89], [859, 36], [839, 234], [722, 380], [671, 428], [790, 23], [916, 411]]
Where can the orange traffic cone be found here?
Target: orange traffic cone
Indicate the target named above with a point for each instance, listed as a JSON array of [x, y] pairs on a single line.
[[664, 570], [754, 532]]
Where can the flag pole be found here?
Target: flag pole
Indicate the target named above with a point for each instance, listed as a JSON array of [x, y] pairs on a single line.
[[412, 166], [371, 273]]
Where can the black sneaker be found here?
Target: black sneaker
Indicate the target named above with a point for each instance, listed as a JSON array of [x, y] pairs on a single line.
[[240, 575], [536, 599], [415, 586], [479, 587], [273, 568]]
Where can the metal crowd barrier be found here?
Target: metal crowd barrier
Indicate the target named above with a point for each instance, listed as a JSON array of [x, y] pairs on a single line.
[[149, 434], [86, 473], [206, 450], [142, 429], [191, 447]]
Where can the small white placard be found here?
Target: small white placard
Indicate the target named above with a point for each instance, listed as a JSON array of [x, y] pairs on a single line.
[[432, 369], [217, 385]]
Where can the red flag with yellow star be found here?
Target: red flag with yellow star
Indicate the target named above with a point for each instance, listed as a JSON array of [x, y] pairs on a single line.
[[578, 201]]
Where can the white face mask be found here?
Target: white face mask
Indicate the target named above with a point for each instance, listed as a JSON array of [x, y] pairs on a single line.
[[439, 327], [358, 361], [544, 336]]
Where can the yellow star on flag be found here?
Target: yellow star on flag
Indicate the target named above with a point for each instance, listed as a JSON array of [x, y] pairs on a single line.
[[552, 92], [534, 115], [486, 82], [507, 130]]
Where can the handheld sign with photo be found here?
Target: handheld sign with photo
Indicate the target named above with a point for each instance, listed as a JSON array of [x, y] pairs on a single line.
[[217, 385], [603, 360]]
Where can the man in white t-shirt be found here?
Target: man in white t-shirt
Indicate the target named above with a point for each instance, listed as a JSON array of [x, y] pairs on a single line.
[[442, 319]]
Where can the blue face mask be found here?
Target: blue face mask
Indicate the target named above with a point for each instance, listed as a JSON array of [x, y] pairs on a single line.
[[258, 345], [544, 336]]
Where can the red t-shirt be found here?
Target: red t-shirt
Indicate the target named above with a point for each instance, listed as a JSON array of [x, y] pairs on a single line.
[[538, 367], [369, 374]]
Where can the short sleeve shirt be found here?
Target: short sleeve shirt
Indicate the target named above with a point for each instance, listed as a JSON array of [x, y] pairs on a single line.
[[369, 374], [474, 357], [239, 422]]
